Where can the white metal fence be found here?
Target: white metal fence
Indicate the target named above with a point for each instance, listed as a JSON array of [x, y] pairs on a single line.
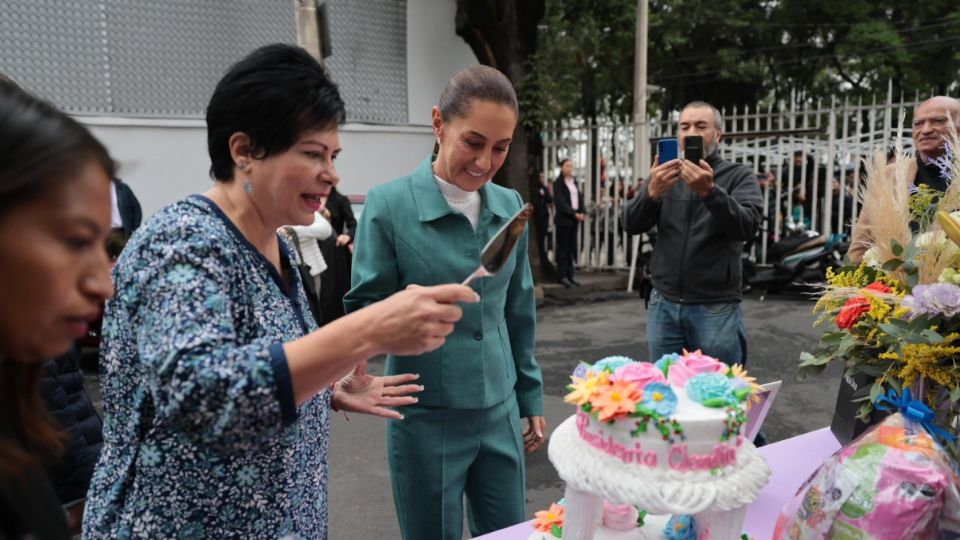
[[810, 156]]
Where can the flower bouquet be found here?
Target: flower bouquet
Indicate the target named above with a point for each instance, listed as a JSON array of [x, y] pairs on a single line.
[[894, 320]]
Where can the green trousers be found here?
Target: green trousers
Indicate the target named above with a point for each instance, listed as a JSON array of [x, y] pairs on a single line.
[[438, 455]]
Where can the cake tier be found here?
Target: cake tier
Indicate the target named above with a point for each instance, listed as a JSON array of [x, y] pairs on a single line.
[[700, 445], [663, 487]]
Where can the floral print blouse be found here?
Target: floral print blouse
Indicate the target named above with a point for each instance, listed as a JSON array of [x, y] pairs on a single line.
[[202, 438]]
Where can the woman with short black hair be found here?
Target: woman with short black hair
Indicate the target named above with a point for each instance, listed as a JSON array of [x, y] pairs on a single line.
[[217, 384]]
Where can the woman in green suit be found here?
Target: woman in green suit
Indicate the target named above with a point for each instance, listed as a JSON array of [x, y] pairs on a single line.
[[464, 437]]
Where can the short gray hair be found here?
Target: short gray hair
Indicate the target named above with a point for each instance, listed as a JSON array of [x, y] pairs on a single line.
[[717, 117]]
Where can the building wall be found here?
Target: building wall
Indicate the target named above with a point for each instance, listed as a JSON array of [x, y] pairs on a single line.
[[434, 54], [165, 159]]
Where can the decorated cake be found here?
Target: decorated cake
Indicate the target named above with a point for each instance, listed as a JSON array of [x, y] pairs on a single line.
[[665, 437]]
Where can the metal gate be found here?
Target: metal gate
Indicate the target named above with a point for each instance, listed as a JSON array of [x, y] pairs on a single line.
[[808, 159]]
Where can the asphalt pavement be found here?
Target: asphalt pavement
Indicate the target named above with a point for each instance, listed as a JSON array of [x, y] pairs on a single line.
[[361, 503]]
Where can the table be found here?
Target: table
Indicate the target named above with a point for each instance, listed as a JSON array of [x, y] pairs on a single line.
[[791, 461]]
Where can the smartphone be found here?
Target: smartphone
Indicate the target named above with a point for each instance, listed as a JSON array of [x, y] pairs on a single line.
[[693, 148], [668, 150]]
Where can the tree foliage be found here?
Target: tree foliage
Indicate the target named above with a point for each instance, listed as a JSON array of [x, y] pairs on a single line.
[[738, 52], [571, 72], [503, 34]]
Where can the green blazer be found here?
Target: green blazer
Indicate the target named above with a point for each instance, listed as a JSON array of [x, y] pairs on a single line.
[[408, 234]]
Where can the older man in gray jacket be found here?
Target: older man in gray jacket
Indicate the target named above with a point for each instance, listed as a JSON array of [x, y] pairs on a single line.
[[703, 212]]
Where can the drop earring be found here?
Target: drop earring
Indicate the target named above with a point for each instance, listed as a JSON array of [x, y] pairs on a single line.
[[247, 186]]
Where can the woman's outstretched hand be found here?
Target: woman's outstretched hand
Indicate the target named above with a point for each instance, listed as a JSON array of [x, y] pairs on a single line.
[[363, 393]]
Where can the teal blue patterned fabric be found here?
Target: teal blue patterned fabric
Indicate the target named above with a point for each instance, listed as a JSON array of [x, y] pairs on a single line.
[[201, 435]]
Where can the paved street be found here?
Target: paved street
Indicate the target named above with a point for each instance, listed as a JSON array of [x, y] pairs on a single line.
[[361, 504]]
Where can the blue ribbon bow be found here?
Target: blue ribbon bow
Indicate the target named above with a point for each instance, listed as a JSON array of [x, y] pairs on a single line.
[[914, 410]]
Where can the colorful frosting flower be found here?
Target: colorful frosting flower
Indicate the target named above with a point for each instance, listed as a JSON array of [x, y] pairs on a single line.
[[693, 363], [581, 370], [612, 363], [615, 400], [659, 398], [710, 390], [640, 373], [740, 379], [546, 520], [620, 517], [680, 527], [665, 361], [583, 389]]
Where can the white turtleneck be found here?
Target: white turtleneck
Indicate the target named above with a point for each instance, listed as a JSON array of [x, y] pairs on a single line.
[[465, 202]]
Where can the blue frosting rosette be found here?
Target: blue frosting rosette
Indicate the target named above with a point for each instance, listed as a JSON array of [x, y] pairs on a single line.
[[665, 361], [680, 527], [611, 363], [711, 390]]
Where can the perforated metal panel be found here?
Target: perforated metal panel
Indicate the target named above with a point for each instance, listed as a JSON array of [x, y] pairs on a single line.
[[162, 58], [57, 50], [369, 59], [134, 57], [167, 56]]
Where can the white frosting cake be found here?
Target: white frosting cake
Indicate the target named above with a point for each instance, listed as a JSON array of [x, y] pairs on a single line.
[[665, 437]]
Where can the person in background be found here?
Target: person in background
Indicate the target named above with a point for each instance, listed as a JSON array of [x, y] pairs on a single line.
[[842, 203], [217, 385], [931, 133], [336, 251], [54, 218], [704, 212], [67, 402], [311, 263], [464, 437], [125, 211], [541, 214], [568, 202]]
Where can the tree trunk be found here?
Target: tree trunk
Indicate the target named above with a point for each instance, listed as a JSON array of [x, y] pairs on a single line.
[[503, 35]]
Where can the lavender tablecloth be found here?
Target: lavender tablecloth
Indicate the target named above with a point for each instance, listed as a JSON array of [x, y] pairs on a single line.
[[791, 460]]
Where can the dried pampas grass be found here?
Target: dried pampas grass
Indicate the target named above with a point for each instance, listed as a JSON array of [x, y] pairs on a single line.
[[885, 199]]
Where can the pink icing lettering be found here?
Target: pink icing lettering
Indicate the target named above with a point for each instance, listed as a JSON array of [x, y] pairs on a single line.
[[612, 447], [681, 460]]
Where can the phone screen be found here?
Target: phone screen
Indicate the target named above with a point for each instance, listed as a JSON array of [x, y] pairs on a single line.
[[667, 149], [693, 148]]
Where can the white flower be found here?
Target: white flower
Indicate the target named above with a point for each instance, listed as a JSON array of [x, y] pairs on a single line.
[[872, 258], [938, 240]]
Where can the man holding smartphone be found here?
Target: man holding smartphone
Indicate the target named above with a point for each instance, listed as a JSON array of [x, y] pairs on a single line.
[[704, 208]]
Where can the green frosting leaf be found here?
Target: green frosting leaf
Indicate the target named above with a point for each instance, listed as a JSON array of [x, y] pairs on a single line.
[[641, 516], [741, 393], [556, 531], [716, 403]]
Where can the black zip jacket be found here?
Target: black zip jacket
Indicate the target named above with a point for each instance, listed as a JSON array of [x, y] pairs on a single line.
[[696, 258], [67, 401]]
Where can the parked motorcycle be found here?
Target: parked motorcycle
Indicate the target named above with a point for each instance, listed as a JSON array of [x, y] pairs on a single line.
[[801, 257]]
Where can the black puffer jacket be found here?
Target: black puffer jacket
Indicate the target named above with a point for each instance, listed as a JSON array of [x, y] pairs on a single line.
[[696, 258], [68, 403]]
